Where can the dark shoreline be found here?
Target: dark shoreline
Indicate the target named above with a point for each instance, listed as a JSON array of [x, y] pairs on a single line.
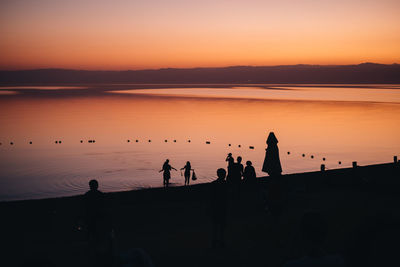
[[173, 227]]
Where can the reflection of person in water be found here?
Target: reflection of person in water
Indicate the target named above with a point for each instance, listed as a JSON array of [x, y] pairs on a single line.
[[187, 169], [166, 168]]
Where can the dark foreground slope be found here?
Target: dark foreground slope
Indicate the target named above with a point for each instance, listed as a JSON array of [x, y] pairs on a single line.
[[361, 207], [361, 73]]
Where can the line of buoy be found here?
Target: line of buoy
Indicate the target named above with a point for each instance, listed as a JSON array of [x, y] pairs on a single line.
[[251, 147], [208, 142], [58, 142]]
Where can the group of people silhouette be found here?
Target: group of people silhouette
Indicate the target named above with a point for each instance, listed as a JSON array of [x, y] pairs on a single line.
[[99, 227], [166, 169]]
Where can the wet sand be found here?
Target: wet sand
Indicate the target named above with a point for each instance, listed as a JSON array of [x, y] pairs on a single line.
[[173, 228]]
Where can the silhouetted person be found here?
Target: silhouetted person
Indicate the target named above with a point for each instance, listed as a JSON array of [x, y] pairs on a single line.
[[236, 174], [314, 231], [98, 226], [166, 168], [187, 169], [272, 163], [218, 208], [249, 174], [230, 167]]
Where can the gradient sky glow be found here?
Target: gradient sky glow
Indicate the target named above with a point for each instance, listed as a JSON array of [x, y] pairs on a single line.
[[133, 34]]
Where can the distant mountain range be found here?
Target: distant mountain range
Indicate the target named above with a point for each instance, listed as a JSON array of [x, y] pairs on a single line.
[[362, 73]]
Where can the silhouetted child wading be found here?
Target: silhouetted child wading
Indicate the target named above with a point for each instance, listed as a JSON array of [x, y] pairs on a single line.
[[218, 208], [166, 168], [187, 169]]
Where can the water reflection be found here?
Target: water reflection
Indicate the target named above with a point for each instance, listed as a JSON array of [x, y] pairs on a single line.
[[363, 131]]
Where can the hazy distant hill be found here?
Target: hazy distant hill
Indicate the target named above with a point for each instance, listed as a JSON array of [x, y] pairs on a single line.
[[362, 73]]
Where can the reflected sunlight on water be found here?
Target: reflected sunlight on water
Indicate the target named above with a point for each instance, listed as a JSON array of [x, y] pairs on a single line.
[[337, 123]]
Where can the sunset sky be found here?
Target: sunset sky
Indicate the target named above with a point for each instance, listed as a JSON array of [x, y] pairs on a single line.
[[138, 34]]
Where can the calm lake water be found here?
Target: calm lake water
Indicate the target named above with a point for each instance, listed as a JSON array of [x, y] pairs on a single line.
[[339, 123]]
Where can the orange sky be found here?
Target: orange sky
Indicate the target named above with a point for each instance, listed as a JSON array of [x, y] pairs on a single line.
[[132, 34]]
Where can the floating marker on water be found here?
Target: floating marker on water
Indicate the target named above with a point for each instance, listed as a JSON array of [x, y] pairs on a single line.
[[59, 142], [165, 140], [90, 141], [239, 146], [251, 147], [174, 141], [189, 141], [340, 162], [323, 159], [81, 141], [56, 142], [128, 140], [288, 152], [30, 142], [208, 142], [149, 141], [312, 156], [303, 155], [229, 145], [137, 141], [11, 143]]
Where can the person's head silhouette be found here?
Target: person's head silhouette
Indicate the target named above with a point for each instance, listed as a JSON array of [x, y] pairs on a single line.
[[93, 184], [188, 163], [248, 163], [239, 159], [167, 161], [221, 173]]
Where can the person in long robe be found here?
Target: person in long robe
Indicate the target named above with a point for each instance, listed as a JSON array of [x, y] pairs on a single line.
[[272, 163]]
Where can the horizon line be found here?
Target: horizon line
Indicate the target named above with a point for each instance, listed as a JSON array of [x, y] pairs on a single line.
[[194, 68]]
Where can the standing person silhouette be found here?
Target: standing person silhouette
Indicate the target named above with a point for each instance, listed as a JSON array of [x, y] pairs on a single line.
[[187, 169], [99, 227], [218, 208], [249, 174], [231, 162], [272, 163], [166, 168]]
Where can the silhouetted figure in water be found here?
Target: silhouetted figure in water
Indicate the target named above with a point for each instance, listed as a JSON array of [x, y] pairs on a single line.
[[272, 163], [314, 231], [98, 227], [166, 168], [238, 170], [187, 169], [218, 208], [249, 174], [231, 162]]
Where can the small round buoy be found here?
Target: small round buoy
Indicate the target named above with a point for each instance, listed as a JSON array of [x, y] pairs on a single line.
[[174, 141], [11, 143], [165, 140], [239, 146], [56, 142], [323, 159], [149, 141], [81, 141], [288, 152], [208, 142], [312, 156], [340, 162], [128, 140], [251, 147], [59, 142], [94, 141], [89, 141], [137, 141], [30, 142], [229, 144], [303, 155], [189, 141]]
